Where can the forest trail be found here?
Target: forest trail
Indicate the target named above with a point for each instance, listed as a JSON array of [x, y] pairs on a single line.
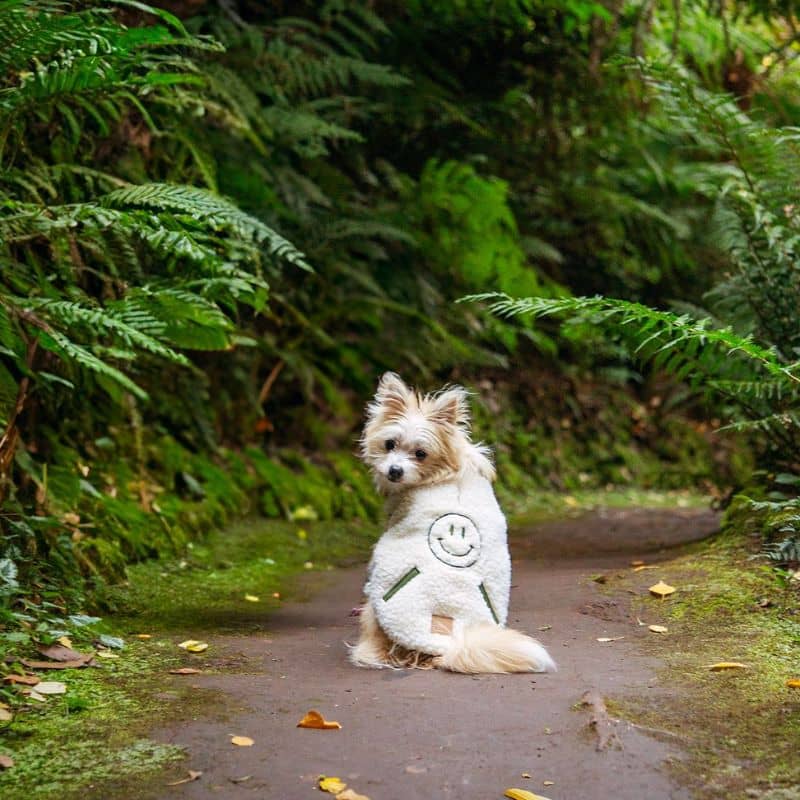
[[427, 734]]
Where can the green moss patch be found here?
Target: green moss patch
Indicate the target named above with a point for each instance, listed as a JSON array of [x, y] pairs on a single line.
[[95, 736], [740, 728], [205, 589], [96, 731]]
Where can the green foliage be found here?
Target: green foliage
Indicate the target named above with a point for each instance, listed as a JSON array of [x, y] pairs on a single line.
[[105, 280], [745, 347], [167, 186]]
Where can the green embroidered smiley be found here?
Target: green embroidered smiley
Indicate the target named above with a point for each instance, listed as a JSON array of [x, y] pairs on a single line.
[[455, 540]]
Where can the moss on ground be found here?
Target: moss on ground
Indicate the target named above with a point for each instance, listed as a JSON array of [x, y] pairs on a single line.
[[96, 732], [740, 728], [205, 589], [95, 736]]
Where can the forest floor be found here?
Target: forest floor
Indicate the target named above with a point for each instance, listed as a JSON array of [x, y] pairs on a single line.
[[672, 728]]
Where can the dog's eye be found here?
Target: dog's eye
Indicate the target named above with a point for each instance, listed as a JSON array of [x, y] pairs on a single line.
[[390, 444], [420, 454]]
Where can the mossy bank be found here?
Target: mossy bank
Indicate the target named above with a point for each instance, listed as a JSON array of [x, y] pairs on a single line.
[[739, 727]]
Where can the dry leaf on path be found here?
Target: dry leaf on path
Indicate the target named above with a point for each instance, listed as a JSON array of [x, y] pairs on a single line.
[[661, 589], [251, 598], [637, 563], [193, 776], [185, 671], [26, 680], [793, 683], [5, 715], [522, 794], [349, 794], [548, 783], [106, 654], [32, 694], [58, 652], [242, 741], [331, 784], [6, 762], [313, 719], [644, 566], [658, 628], [143, 636], [58, 664], [609, 638], [723, 665], [194, 646], [65, 641]]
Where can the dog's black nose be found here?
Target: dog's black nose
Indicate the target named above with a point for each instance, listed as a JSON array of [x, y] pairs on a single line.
[[395, 472]]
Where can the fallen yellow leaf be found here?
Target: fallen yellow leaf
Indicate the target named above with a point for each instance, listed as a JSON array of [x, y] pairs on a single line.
[[637, 563], [106, 654], [723, 665], [242, 741], [303, 514], [661, 589], [193, 646], [313, 719], [144, 636], [331, 784], [251, 598], [793, 683], [609, 638], [522, 794], [548, 783], [349, 794], [65, 641], [644, 566], [658, 628]]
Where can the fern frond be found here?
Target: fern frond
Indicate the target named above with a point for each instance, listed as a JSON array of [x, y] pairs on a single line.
[[209, 208], [654, 333]]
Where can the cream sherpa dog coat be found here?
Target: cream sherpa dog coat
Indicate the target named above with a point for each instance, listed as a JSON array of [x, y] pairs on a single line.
[[442, 562]]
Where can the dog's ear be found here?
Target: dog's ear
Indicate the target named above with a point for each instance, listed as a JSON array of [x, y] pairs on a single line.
[[450, 407], [392, 396]]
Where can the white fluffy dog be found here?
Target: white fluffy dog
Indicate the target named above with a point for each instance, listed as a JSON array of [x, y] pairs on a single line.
[[439, 578]]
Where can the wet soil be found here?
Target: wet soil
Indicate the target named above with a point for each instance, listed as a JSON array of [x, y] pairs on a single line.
[[427, 734]]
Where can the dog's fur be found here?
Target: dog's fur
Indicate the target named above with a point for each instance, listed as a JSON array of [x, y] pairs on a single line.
[[412, 441]]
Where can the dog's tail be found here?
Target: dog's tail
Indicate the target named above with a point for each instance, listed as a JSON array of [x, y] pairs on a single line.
[[490, 648]]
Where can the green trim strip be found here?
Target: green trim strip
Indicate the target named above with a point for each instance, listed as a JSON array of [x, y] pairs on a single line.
[[407, 578], [488, 603]]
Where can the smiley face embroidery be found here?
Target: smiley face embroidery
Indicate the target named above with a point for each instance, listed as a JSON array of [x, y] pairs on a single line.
[[454, 539]]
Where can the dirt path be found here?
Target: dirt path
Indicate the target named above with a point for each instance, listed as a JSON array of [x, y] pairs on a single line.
[[420, 734]]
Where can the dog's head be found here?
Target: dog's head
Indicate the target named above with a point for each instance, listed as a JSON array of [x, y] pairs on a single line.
[[415, 440]]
